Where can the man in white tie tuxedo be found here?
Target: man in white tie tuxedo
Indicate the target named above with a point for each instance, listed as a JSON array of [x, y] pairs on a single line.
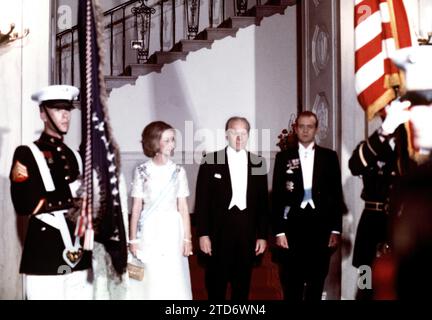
[[232, 209], [307, 211]]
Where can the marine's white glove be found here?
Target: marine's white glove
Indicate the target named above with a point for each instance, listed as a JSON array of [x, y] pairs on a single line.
[[396, 113]]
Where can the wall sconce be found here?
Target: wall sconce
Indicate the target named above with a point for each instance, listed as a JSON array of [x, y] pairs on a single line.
[[9, 37]]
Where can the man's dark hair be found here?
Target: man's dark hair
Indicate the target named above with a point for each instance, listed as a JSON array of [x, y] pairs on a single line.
[[307, 114]]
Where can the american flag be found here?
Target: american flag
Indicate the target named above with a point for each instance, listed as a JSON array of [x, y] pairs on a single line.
[[101, 216], [381, 27]]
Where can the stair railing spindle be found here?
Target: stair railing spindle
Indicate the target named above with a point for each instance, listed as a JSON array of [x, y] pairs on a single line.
[[211, 3], [124, 39], [111, 45], [173, 22], [72, 58], [60, 60], [161, 25]]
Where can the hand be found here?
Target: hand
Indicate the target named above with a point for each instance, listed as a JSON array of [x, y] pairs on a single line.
[[187, 248], [205, 245], [133, 248], [260, 246], [334, 241], [282, 241], [396, 113]]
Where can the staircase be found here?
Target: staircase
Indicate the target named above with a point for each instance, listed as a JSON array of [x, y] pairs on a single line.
[[204, 39]]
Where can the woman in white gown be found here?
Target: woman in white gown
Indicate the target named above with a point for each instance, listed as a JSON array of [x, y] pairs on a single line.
[[160, 233]]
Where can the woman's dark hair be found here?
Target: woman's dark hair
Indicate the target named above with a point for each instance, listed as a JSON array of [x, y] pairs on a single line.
[[151, 136]]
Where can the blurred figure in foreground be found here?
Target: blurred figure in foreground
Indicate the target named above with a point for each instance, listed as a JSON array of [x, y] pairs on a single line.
[[410, 263]]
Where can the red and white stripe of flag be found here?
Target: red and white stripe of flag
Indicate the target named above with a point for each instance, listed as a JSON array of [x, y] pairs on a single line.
[[381, 27]]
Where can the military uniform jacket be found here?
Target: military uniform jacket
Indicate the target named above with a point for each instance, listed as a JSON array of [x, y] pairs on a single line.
[[380, 167], [43, 248], [288, 190], [376, 162]]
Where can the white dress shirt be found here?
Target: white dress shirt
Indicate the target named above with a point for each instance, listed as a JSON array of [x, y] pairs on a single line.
[[238, 168], [307, 162]]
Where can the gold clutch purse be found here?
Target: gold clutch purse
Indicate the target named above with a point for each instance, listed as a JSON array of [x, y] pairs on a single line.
[[135, 268]]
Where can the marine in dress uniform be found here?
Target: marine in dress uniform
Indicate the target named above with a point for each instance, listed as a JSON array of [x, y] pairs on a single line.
[[44, 182], [376, 162], [379, 160]]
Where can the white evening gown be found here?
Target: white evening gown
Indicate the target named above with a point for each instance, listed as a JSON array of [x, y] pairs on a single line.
[[166, 270]]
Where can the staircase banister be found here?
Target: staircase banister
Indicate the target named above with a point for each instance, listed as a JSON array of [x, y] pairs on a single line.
[[64, 32], [120, 6], [108, 12]]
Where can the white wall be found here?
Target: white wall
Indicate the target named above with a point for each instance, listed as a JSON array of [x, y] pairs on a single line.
[[25, 68], [353, 127], [276, 73]]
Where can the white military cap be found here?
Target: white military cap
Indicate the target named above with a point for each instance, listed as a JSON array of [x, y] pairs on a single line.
[[417, 64], [56, 92]]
